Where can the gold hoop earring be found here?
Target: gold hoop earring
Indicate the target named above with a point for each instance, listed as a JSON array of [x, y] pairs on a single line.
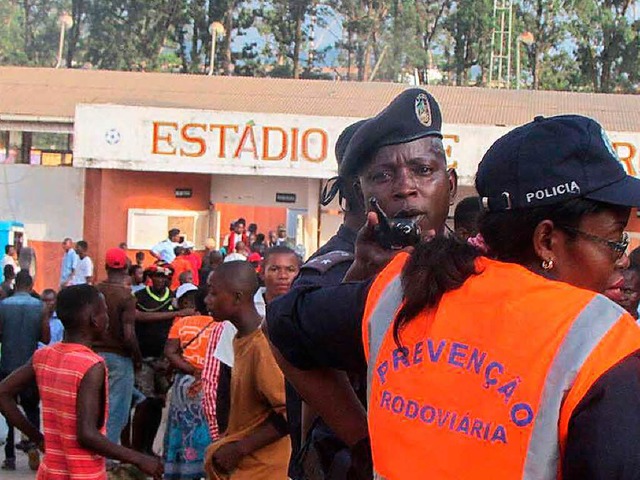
[[547, 264]]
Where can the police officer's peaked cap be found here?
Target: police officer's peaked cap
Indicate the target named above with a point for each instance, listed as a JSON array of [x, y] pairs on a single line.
[[411, 115]]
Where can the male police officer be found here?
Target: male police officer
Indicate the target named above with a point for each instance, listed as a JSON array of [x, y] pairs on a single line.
[[327, 266], [331, 261], [398, 158]]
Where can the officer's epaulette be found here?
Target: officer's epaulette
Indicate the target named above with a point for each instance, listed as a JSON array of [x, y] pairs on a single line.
[[325, 262]]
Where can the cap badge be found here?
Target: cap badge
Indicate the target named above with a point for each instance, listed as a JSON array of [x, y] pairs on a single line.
[[423, 109]]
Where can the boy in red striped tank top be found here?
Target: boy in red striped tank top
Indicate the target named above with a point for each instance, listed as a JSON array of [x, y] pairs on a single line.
[[71, 379]]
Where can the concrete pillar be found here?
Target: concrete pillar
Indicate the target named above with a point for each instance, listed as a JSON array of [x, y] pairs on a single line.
[[313, 212]]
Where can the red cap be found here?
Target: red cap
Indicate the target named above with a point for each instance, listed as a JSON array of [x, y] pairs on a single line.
[[254, 257], [116, 258]]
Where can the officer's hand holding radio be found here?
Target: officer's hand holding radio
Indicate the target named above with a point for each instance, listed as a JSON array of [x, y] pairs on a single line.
[[379, 240]]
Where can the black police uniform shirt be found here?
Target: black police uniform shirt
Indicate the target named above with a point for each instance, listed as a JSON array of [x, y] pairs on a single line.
[[330, 263], [327, 266], [322, 328]]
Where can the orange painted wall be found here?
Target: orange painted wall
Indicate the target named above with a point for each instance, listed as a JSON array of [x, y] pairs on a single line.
[[267, 218], [110, 193], [48, 263]]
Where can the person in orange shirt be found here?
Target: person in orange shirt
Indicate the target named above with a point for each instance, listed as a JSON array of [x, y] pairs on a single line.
[[180, 265], [187, 434]]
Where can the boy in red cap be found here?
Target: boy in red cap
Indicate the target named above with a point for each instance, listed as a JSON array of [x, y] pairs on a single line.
[[119, 346]]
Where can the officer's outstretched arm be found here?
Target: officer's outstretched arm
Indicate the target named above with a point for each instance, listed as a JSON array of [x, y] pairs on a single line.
[[330, 393], [316, 336]]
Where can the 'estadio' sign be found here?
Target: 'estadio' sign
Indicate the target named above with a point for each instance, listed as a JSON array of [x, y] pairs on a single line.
[[182, 140], [241, 143], [224, 141]]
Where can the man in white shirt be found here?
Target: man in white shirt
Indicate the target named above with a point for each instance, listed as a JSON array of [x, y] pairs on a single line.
[[10, 259], [84, 269], [164, 250]]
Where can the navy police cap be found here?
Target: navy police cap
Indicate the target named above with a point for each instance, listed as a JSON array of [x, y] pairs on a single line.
[[411, 115], [551, 160]]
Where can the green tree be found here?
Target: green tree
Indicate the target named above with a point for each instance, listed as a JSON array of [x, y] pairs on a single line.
[[414, 36], [348, 11], [561, 72], [402, 46], [469, 26], [237, 17], [606, 44], [30, 31], [129, 34], [11, 41], [287, 23], [431, 15], [364, 24], [191, 35], [73, 42], [547, 20]]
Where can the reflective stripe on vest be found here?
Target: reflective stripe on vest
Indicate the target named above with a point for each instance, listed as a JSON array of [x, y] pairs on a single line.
[[587, 330], [381, 319], [585, 333]]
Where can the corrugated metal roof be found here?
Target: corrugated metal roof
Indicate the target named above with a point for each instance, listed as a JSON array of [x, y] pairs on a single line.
[[45, 92]]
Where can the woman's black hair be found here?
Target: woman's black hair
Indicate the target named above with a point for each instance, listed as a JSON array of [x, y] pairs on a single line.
[[445, 263], [508, 234], [435, 267]]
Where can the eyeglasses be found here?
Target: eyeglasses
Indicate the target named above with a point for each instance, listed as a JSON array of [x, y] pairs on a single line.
[[619, 247]]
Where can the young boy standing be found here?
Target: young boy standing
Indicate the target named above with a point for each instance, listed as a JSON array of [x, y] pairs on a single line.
[[256, 445], [55, 325], [72, 383]]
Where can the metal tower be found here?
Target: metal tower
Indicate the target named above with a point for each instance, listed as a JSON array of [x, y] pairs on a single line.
[[500, 65]]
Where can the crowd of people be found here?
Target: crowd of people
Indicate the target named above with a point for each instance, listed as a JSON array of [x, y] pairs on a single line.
[[149, 339], [489, 341]]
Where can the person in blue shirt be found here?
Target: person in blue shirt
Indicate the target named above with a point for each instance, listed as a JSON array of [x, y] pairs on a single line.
[[164, 250], [56, 327], [69, 263], [24, 322]]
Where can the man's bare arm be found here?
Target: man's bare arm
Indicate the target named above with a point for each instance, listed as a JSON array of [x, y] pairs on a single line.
[[9, 390]]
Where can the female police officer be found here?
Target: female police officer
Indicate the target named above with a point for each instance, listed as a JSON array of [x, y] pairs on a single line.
[[488, 368]]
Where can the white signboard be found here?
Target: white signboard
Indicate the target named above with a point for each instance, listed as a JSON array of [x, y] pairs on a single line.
[[176, 140], [209, 141]]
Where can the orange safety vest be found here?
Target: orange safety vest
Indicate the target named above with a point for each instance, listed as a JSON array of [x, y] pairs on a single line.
[[485, 383]]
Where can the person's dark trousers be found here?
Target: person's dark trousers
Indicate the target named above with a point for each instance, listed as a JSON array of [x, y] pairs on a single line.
[[223, 399], [146, 422], [29, 400]]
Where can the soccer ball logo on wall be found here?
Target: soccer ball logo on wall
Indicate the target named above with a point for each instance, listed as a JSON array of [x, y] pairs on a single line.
[[112, 136]]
